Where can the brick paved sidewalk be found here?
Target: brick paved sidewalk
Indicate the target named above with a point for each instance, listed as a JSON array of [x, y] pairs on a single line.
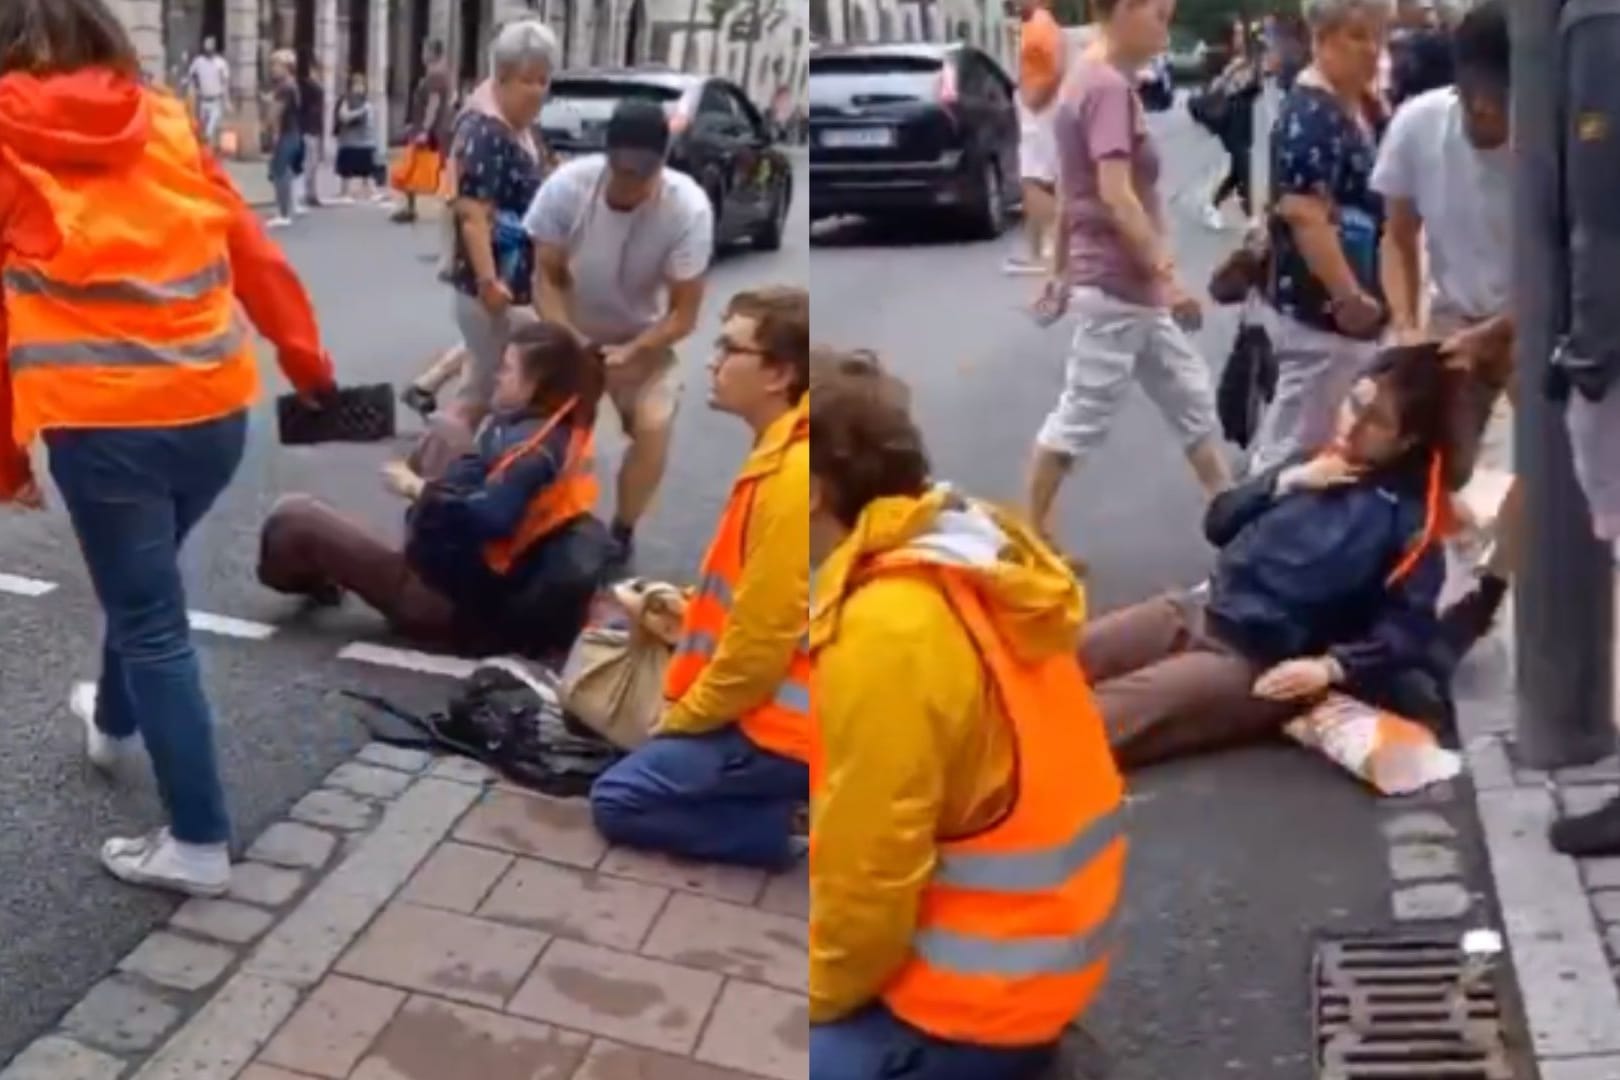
[[464, 929]]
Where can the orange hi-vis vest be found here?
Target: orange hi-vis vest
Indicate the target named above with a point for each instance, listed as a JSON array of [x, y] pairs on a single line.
[[132, 322], [782, 724], [1015, 929], [572, 494]]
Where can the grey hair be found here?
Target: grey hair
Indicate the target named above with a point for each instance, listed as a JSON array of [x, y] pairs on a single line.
[[520, 45], [1326, 14]]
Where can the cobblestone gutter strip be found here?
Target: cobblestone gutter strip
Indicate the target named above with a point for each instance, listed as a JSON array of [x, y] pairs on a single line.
[[1565, 977], [207, 990]]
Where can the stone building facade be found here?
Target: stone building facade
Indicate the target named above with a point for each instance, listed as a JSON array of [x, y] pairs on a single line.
[[762, 44], [985, 23]]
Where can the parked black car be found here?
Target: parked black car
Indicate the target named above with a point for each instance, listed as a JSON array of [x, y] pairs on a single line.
[[721, 141], [905, 128]]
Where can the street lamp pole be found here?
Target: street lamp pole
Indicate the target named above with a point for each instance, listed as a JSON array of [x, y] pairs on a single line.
[[1564, 586]]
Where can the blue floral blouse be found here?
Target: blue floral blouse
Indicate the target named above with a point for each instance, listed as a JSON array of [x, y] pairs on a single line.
[[1318, 149], [492, 167]]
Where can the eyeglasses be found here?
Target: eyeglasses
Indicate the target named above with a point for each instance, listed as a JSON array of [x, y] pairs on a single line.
[[730, 348]]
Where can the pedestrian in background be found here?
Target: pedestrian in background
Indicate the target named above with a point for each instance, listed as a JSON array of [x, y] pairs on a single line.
[[313, 122], [284, 122], [1042, 51], [432, 111], [209, 83], [1238, 84], [1114, 271], [129, 260], [356, 126], [1326, 231]]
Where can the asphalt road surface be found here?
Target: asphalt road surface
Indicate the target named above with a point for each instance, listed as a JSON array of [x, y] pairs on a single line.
[[63, 923], [1239, 860]]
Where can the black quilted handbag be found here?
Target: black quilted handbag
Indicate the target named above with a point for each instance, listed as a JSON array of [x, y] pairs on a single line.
[[352, 414]]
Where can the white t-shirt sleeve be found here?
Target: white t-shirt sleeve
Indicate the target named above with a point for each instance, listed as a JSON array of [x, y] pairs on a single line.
[[1397, 172], [557, 205], [693, 250]]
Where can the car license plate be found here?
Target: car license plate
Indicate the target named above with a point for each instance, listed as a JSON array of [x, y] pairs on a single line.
[[858, 138]]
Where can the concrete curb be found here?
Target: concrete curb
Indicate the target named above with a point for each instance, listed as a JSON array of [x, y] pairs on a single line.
[[200, 996], [1554, 938]]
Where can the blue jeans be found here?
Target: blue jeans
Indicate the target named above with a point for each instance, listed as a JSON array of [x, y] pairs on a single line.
[[874, 1044], [283, 169], [134, 494], [715, 797]]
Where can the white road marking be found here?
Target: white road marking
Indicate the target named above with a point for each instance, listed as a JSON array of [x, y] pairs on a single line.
[[409, 660], [226, 626], [25, 586]]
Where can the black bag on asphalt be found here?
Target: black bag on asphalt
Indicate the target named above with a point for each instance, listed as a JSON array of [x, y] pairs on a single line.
[[507, 715], [1248, 383], [352, 414]]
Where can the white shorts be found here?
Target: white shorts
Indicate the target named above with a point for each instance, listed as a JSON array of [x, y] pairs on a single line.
[[1116, 344], [1037, 145]]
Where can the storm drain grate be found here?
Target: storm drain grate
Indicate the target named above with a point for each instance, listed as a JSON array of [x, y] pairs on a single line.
[[1393, 1008]]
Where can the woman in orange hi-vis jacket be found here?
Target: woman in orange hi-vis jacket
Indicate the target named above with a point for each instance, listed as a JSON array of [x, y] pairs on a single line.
[[128, 260]]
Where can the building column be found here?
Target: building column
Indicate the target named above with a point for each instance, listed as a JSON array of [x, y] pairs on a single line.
[[378, 65], [326, 59], [241, 50], [143, 19]]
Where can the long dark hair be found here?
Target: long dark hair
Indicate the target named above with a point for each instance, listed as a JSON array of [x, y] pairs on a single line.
[[55, 37], [562, 368]]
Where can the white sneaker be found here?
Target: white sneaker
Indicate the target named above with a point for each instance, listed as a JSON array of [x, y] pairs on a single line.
[[160, 861], [279, 222], [104, 751]]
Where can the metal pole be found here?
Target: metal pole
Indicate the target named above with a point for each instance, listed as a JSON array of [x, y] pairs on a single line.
[[1565, 585]]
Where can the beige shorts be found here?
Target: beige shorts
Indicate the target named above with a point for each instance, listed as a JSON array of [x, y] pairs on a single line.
[[646, 392]]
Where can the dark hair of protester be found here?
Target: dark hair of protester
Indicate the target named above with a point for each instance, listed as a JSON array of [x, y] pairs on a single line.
[[863, 443], [55, 37], [781, 315], [1418, 379], [1482, 47], [562, 368]]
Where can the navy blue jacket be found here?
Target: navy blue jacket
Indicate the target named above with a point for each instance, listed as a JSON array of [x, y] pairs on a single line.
[[1308, 574]]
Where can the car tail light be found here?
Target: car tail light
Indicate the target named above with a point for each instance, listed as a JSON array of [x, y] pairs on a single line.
[[947, 86], [680, 117]]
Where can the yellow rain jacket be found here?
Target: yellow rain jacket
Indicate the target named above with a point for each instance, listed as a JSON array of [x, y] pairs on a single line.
[[767, 618], [913, 746]]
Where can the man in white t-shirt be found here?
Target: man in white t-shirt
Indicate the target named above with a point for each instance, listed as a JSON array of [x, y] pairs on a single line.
[[208, 84], [622, 246], [1446, 173]]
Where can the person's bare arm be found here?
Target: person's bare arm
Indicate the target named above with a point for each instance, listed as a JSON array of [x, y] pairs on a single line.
[[1400, 265], [554, 286], [1310, 219], [685, 301], [1118, 193], [477, 226]]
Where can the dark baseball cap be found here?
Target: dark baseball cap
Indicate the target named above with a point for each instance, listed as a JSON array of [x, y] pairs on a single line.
[[638, 136]]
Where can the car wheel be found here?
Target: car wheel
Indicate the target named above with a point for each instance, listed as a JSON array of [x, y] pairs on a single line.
[[717, 203], [771, 230], [989, 218]]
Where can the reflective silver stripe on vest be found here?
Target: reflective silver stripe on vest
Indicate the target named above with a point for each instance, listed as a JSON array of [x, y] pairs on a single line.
[[715, 587], [794, 696], [26, 282], [1018, 958], [129, 353], [697, 643], [1040, 870]]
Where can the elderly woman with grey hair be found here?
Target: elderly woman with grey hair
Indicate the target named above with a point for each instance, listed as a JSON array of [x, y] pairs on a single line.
[[498, 168], [1326, 226]]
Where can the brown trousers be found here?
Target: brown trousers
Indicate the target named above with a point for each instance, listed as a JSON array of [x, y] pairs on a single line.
[[307, 547], [1167, 689]]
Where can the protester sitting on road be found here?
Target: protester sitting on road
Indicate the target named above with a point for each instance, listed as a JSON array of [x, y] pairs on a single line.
[[497, 171], [502, 551], [966, 832], [1446, 174], [129, 259], [1327, 576], [1114, 270], [1324, 283], [724, 776], [624, 242]]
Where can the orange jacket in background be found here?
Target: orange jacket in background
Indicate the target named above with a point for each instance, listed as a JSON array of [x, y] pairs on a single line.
[[126, 251]]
